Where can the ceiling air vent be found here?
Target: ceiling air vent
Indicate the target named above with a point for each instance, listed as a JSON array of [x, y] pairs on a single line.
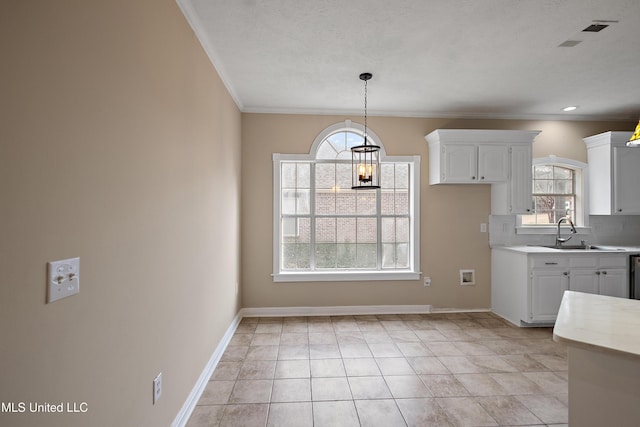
[[570, 43], [595, 28]]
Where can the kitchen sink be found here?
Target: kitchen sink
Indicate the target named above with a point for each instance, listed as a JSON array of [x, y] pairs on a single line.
[[573, 247]]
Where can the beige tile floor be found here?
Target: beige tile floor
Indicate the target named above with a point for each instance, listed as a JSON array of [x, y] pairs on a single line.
[[458, 369]]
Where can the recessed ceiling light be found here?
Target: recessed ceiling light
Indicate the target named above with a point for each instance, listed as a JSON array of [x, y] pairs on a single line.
[[570, 108]]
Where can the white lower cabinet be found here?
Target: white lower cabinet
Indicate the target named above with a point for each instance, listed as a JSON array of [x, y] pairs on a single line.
[[613, 282], [547, 288], [527, 288], [585, 280]]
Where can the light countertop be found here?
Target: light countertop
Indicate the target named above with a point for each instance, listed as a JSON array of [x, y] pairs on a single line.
[[543, 249], [600, 323]]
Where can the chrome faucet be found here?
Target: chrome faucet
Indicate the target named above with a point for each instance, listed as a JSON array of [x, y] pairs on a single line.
[[561, 240]]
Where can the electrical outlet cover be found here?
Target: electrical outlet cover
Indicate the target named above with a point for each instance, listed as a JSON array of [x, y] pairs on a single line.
[[157, 387], [63, 279]]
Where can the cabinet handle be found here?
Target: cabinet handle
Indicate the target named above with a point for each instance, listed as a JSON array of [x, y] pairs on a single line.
[[482, 177], [598, 273], [550, 263], [566, 273], [473, 177], [604, 272], [619, 210]]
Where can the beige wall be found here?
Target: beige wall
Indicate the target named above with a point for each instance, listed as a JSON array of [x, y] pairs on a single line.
[[120, 145], [450, 214]]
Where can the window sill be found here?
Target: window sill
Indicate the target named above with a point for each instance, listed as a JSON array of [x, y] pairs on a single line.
[[345, 276], [550, 230]]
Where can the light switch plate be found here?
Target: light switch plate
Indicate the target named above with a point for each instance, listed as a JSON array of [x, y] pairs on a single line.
[[63, 279]]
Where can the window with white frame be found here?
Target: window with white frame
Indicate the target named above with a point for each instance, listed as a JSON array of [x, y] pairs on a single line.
[[558, 190], [324, 230]]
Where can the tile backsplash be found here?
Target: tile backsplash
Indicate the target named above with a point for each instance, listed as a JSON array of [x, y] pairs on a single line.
[[622, 230]]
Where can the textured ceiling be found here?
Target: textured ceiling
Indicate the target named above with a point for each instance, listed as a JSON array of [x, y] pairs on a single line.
[[429, 58]]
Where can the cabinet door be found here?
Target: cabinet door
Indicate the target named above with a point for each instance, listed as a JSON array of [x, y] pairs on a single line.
[[521, 180], [584, 281], [625, 180], [614, 282], [547, 288], [459, 163], [493, 163]]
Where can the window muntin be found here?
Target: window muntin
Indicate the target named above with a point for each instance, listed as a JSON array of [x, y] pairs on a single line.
[[325, 228], [554, 195]]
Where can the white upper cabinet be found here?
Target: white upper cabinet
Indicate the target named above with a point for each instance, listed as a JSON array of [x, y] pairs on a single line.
[[493, 162], [473, 163], [498, 157], [459, 163], [614, 174]]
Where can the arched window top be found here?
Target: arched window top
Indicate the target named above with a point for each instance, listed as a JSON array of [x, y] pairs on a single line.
[[335, 142]]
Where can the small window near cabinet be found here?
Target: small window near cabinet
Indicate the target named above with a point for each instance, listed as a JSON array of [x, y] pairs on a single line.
[[558, 191]]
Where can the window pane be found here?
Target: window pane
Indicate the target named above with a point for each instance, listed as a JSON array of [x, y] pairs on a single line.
[[326, 151], [289, 256], [346, 230], [346, 202], [304, 174], [304, 230], [302, 202], [388, 230], [366, 202], [542, 186], [388, 255], [564, 186], [326, 255], [343, 176], [542, 172], [289, 229], [562, 173], [402, 175], [402, 255], [565, 203], [325, 175], [387, 175], [325, 202], [366, 255], [387, 202], [289, 201], [402, 230], [402, 202], [288, 175], [325, 230], [367, 230], [302, 254], [346, 255]]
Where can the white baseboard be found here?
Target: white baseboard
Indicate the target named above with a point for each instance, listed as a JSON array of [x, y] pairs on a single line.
[[183, 416], [189, 405], [334, 310]]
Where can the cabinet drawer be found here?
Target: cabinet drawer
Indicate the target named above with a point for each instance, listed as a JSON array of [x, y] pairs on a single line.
[[613, 261], [584, 261], [549, 261]]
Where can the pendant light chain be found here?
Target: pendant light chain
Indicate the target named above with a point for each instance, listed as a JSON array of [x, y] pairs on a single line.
[[365, 111]]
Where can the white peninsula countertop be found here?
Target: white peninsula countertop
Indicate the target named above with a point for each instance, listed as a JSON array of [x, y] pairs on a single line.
[[600, 323], [602, 335]]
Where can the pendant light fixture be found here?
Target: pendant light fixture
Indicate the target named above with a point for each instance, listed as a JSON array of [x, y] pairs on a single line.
[[635, 138], [365, 158]]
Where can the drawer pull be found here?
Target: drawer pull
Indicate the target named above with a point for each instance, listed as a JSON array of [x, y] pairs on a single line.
[[566, 273], [550, 263]]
